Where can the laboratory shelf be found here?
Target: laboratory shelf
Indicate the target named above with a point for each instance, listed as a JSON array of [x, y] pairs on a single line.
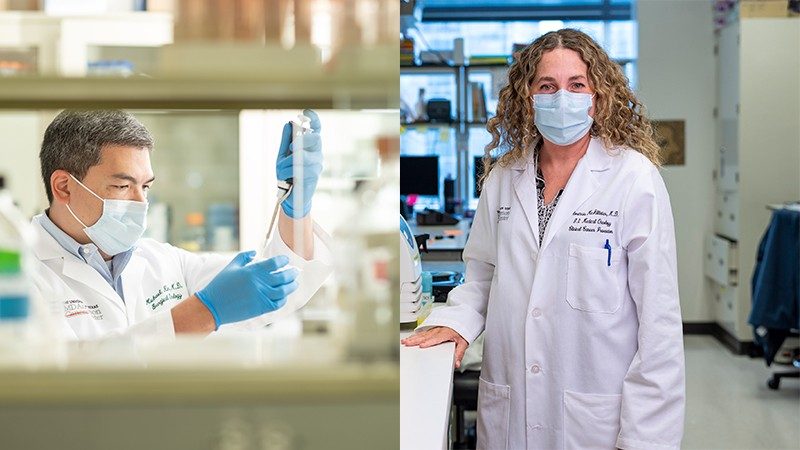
[[428, 69], [349, 92], [130, 386]]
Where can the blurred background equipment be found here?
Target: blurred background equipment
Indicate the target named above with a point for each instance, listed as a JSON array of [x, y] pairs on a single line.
[[410, 275], [214, 82]]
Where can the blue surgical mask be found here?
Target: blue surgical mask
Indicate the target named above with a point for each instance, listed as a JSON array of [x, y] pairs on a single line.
[[120, 225], [563, 118]]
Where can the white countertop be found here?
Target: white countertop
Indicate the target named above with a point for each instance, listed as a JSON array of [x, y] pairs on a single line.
[[426, 387]]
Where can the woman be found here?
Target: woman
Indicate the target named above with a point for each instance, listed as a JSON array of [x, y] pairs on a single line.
[[570, 265]]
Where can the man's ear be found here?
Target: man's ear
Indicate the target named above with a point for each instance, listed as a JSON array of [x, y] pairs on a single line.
[[59, 185]]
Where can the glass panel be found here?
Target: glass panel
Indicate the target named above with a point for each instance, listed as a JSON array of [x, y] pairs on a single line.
[[421, 140], [436, 85], [507, 3], [194, 202], [486, 79], [622, 39], [478, 139], [618, 38]]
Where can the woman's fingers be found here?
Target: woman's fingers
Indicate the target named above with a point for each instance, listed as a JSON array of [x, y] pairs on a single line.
[[461, 348], [421, 337], [436, 336], [440, 335]]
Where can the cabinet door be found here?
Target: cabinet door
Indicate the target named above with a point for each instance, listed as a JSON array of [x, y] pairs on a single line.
[[728, 156], [728, 97], [727, 216]]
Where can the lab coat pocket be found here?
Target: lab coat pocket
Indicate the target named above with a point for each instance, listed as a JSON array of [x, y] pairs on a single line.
[[494, 407], [592, 284], [591, 421]]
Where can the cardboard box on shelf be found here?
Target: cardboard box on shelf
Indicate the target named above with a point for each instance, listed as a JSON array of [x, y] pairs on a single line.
[[20, 5], [763, 8]]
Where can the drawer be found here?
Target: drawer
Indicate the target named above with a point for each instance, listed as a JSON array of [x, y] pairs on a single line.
[[724, 301], [720, 261], [727, 217]]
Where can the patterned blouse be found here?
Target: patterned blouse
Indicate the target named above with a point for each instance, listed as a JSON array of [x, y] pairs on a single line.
[[545, 210]]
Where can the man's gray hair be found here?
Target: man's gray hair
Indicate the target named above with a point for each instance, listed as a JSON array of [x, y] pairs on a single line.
[[73, 141]]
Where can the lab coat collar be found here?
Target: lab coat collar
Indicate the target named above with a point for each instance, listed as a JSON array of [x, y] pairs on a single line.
[[597, 156], [582, 184], [525, 187], [47, 249]]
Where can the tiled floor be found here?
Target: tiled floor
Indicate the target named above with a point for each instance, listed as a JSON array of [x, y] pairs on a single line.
[[729, 405]]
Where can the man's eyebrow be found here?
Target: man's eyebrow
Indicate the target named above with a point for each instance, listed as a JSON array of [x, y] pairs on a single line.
[[126, 177]]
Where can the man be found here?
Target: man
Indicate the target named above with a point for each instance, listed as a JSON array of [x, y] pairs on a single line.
[[93, 268]]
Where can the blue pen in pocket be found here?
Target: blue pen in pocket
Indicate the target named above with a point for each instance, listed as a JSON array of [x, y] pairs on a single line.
[[608, 247]]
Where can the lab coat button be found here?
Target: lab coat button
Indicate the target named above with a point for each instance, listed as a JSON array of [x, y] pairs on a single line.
[[536, 312], [535, 369]]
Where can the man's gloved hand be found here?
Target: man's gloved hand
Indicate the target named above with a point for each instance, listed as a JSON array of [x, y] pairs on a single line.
[[312, 164], [242, 291]]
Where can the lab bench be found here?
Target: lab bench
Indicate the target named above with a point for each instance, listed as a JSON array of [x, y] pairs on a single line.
[[276, 402], [446, 242], [426, 386]]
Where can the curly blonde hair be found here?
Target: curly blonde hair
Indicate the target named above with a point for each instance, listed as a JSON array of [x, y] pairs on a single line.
[[619, 118]]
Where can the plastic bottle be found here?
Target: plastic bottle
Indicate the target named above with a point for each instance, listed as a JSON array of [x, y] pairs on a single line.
[[15, 330], [28, 336], [421, 106], [426, 300]]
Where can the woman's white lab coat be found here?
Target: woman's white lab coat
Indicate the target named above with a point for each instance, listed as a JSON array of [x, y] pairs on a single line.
[[583, 347], [157, 277]]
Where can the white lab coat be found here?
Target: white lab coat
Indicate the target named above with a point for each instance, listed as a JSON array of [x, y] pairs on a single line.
[[578, 354], [157, 277]]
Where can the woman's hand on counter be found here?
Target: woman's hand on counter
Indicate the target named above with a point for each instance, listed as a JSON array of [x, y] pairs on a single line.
[[438, 335]]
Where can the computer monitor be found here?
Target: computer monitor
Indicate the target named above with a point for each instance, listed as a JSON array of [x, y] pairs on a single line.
[[419, 175], [477, 170]]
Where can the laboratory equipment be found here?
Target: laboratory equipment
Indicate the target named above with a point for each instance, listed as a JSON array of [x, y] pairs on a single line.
[[419, 175], [194, 235], [221, 227], [300, 127], [421, 109], [410, 275], [28, 336], [450, 200], [367, 264], [426, 301], [439, 110], [14, 285], [431, 217]]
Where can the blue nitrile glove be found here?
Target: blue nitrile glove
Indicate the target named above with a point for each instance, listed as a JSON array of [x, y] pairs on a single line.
[[312, 164], [242, 291]]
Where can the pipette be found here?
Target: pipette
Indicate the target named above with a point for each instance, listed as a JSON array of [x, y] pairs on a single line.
[[300, 127]]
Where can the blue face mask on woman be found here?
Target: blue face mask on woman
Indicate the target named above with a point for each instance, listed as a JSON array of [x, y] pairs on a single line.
[[563, 118], [120, 225]]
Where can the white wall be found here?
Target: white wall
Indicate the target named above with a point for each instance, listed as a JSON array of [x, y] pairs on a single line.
[[19, 158], [677, 79], [769, 137]]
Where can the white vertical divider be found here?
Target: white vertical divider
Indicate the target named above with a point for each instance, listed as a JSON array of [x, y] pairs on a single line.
[[259, 139]]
